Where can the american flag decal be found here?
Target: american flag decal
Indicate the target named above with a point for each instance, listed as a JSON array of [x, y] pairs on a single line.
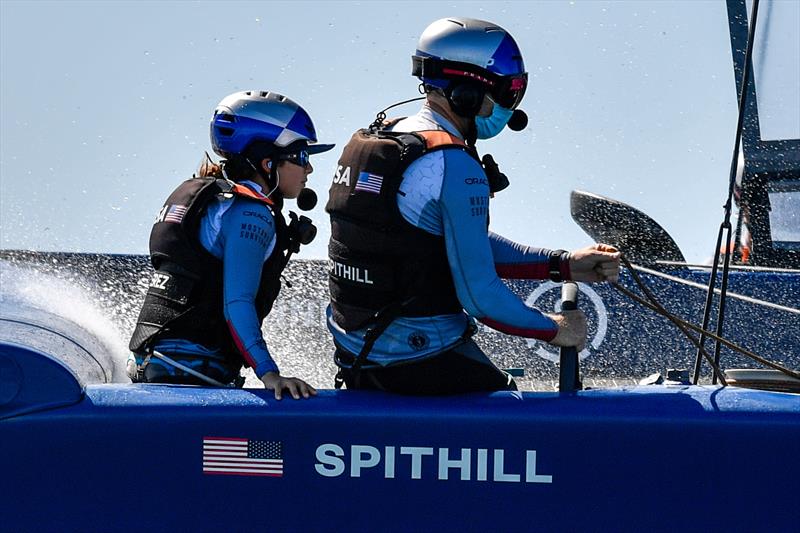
[[228, 456], [371, 183], [175, 213]]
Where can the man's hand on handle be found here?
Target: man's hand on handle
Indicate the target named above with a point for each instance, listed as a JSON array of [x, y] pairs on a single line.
[[571, 329], [599, 262]]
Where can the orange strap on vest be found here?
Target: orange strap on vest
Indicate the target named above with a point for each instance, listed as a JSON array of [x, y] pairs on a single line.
[[247, 192], [436, 138]]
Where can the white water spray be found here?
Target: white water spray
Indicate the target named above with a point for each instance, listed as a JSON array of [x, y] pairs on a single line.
[[64, 307]]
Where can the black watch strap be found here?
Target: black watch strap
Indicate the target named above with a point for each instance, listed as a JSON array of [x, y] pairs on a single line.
[[554, 267]]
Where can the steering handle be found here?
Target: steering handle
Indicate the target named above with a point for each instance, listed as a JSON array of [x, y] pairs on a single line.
[[569, 363]]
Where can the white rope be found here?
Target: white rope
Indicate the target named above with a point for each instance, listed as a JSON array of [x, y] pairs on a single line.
[[745, 268], [718, 291], [188, 370]]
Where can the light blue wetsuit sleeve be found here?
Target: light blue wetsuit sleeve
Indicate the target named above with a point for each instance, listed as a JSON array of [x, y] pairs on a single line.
[[517, 261], [464, 205], [247, 236]]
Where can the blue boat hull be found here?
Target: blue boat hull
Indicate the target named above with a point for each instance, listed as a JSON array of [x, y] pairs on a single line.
[[131, 457]]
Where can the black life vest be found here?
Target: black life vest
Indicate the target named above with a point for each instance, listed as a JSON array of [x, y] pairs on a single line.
[[185, 296], [377, 259]]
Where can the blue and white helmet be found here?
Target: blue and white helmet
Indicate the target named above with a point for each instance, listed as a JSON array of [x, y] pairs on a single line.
[[249, 116], [465, 49]]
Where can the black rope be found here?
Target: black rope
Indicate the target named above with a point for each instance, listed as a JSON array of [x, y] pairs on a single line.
[[654, 305], [684, 325], [725, 227]]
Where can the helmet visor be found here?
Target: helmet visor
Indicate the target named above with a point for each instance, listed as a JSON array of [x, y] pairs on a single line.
[[508, 91], [302, 144], [319, 148]]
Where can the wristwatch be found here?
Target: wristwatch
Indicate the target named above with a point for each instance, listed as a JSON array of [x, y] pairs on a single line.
[[554, 268]]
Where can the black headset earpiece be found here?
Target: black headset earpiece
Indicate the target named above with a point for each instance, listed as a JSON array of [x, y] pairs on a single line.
[[466, 98]]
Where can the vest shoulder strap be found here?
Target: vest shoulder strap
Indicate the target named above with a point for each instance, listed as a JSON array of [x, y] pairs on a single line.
[[247, 192], [439, 139]]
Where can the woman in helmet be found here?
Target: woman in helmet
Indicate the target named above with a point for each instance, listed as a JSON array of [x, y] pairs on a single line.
[[402, 277], [219, 245]]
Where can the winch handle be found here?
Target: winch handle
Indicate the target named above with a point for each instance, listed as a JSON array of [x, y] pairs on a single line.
[[569, 296], [569, 364]]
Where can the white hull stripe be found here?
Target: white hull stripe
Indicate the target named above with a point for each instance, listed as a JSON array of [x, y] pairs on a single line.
[[277, 468], [241, 470], [236, 460], [217, 452]]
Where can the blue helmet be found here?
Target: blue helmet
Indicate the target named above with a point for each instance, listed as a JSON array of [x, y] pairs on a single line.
[[243, 118], [469, 50]]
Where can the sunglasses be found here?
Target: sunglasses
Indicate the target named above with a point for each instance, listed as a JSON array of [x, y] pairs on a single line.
[[507, 91], [301, 158]]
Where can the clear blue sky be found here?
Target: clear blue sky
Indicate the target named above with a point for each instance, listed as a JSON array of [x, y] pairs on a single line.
[[105, 106]]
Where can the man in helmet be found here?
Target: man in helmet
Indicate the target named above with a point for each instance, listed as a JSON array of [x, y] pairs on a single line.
[[219, 245], [410, 248]]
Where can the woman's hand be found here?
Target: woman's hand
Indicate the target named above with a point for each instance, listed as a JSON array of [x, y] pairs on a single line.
[[599, 262], [295, 386]]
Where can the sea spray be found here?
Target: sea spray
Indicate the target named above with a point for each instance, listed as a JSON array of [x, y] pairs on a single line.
[[60, 303], [110, 288]]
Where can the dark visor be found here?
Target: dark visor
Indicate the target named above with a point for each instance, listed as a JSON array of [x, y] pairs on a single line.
[[507, 91]]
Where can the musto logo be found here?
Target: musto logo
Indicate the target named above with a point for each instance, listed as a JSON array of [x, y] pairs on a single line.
[[548, 296]]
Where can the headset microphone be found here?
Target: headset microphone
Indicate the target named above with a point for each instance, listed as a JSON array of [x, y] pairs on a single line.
[[518, 120], [306, 200]]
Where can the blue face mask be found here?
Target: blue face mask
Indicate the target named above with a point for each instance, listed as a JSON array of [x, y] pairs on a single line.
[[492, 125]]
